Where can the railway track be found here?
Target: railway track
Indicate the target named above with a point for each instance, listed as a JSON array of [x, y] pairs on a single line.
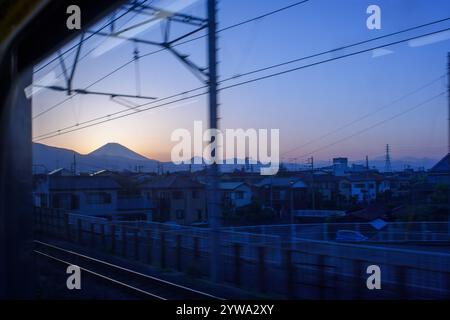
[[142, 285]]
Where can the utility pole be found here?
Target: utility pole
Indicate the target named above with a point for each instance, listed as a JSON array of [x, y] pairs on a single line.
[[448, 129], [213, 200], [74, 165], [313, 195]]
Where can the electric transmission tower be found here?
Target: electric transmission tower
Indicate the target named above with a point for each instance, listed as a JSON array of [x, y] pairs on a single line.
[[387, 163]]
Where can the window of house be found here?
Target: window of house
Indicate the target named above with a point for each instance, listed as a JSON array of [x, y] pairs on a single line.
[[179, 213], [239, 195], [61, 201], [75, 203], [165, 195], [98, 198], [43, 200], [177, 195], [195, 194], [199, 214], [360, 185]]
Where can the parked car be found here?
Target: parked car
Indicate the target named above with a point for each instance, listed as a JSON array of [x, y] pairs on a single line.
[[350, 236]]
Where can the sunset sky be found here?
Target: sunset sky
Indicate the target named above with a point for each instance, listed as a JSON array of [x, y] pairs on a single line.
[[304, 105]]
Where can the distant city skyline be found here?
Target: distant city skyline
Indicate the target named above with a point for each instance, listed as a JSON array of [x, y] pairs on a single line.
[[351, 107]]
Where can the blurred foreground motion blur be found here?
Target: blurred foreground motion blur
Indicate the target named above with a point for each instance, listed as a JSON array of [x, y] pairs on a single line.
[[210, 150]]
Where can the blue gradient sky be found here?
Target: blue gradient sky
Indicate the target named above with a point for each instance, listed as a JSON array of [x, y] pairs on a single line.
[[304, 105]]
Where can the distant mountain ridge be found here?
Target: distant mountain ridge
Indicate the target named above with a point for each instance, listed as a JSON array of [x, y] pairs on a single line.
[[114, 156], [116, 150], [111, 156]]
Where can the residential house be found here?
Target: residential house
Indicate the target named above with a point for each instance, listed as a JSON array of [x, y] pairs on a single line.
[[440, 172], [176, 197], [91, 196], [363, 187], [236, 194], [282, 193]]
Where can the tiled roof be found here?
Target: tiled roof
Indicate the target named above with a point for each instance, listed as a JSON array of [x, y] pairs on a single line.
[[277, 181], [230, 185], [443, 165], [82, 183], [364, 177], [172, 182]]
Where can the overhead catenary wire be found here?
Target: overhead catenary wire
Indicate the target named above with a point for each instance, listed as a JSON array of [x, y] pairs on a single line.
[[95, 47], [90, 36], [108, 117], [81, 58], [335, 49], [397, 115], [127, 110], [331, 59], [256, 70], [160, 50], [365, 116]]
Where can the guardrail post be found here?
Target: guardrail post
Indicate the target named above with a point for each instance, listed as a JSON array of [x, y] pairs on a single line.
[[92, 231], [322, 275], [237, 263], [150, 246], [113, 239], [45, 219], [67, 226], [136, 244], [325, 231], [58, 223], [401, 278], [388, 231], [178, 251], [102, 235], [289, 273], [196, 248], [51, 228], [163, 250], [124, 241], [80, 231], [358, 281], [262, 269], [447, 292]]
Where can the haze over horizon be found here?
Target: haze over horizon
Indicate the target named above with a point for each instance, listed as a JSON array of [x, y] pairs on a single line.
[[114, 149], [350, 108]]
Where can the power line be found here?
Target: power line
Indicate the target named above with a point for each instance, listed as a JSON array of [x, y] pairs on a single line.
[[89, 86], [81, 58], [95, 47], [336, 49], [331, 59], [254, 71], [88, 37], [374, 125], [121, 116], [163, 49], [257, 70], [122, 111], [58, 132], [366, 115]]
